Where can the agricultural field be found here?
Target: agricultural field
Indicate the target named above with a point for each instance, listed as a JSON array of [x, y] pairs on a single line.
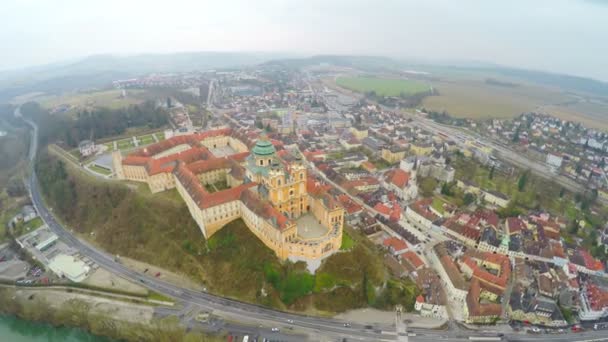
[[382, 86], [506, 98], [112, 99]]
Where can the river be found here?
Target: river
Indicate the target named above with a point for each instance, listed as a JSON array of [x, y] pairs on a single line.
[[13, 329]]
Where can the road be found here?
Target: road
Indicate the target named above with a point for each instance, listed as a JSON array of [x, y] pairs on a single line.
[[251, 318]]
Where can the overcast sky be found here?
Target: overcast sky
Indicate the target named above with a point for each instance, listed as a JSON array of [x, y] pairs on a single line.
[[567, 36]]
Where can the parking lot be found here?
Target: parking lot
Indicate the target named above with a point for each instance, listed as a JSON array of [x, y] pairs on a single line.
[[44, 245]]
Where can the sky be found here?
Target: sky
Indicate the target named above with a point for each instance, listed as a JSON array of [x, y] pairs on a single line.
[[564, 36]]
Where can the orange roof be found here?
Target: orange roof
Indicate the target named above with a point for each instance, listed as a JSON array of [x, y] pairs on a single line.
[[382, 209], [395, 243], [349, 205], [477, 309], [413, 259], [398, 177], [420, 299]]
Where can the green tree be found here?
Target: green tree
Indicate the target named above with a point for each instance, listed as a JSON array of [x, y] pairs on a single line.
[[427, 186], [523, 180], [469, 198], [491, 175]]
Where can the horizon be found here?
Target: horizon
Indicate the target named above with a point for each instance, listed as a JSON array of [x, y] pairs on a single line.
[[544, 35]]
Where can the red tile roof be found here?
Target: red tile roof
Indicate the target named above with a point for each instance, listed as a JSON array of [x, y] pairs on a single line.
[[515, 225], [422, 208], [477, 309], [413, 259], [395, 243], [349, 205], [382, 209], [398, 177]]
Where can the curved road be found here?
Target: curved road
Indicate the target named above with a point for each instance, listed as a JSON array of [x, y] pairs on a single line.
[[245, 313]]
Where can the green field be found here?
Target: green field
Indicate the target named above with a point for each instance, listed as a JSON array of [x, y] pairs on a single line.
[[108, 98], [125, 144], [382, 86], [146, 139]]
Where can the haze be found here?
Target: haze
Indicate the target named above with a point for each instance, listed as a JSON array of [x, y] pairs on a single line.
[[565, 36]]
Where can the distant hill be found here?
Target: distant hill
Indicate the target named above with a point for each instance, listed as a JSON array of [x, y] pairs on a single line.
[[99, 70], [374, 63], [362, 62]]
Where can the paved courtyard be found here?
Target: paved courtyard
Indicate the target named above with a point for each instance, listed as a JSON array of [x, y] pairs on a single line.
[[309, 228], [222, 151]]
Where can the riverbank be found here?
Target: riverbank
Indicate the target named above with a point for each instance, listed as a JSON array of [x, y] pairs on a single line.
[[113, 319]]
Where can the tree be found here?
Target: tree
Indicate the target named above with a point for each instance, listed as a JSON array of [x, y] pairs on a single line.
[[516, 135], [491, 175], [562, 191], [523, 179], [579, 168], [427, 186], [469, 198], [446, 189]]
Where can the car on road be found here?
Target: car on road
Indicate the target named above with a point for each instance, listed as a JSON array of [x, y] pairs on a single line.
[[275, 329], [347, 325], [290, 321]]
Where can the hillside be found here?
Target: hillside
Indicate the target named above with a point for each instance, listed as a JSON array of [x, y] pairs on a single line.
[[158, 229]]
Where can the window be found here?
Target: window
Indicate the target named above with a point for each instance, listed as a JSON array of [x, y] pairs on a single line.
[[262, 162], [279, 181], [302, 176]]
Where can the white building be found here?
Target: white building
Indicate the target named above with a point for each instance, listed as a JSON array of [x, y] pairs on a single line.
[[69, 267], [554, 160], [87, 148]]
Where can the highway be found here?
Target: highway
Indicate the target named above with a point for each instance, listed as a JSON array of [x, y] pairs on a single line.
[[259, 318]]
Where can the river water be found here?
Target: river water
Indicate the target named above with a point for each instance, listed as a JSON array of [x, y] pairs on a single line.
[[17, 330]]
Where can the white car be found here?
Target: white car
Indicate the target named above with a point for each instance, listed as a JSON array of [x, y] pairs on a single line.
[[275, 329]]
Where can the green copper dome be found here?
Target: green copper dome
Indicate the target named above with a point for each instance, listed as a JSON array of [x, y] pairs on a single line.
[[263, 147]]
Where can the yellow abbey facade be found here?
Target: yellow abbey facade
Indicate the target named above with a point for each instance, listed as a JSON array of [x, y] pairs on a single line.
[[271, 191]]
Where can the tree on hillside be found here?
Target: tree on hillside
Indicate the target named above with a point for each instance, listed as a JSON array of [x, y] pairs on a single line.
[[523, 179], [491, 175]]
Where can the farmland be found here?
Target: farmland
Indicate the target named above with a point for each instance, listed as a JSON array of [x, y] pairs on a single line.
[[78, 101], [475, 99], [382, 86]]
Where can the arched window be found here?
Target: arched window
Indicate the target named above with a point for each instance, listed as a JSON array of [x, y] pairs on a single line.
[[279, 181], [261, 162]]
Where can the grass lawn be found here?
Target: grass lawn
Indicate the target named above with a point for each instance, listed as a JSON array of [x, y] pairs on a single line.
[[160, 136], [101, 170], [438, 205], [146, 139], [34, 224], [125, 144], [110, 145], [74, 154], [382, 86], [347, 241]]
